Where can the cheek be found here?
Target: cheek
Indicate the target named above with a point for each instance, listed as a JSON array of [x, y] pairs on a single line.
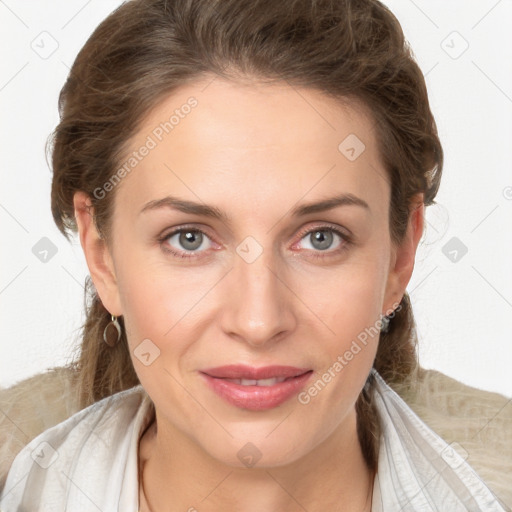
[[348, 349], [349, 298], [153, 305], [165, 305], [349, 309]]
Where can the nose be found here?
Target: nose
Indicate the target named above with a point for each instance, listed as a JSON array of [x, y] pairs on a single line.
[[259, 303]]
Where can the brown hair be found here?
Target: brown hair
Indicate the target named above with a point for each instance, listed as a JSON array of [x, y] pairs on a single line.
[[148, 48]]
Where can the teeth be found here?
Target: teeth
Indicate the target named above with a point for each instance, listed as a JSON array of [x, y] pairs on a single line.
[[260, 382], [249, 382]]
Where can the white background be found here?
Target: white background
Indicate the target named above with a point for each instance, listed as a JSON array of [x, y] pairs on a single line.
[[463, 309]]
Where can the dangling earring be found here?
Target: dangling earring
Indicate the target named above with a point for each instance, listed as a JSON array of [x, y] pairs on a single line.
[[115, 332], [385, 324]]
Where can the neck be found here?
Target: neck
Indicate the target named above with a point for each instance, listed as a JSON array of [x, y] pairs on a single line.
[[178, 472]]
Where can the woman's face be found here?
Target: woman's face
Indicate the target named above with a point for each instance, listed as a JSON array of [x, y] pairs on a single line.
[[268, 280]]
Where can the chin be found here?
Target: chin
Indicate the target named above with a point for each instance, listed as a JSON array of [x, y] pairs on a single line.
[[257, 449]]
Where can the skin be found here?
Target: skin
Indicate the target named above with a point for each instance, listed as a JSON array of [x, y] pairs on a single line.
[[255, 152]]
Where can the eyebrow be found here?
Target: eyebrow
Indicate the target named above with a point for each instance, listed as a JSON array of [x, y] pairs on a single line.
[[329, 204], [205, 210], [185, 206]]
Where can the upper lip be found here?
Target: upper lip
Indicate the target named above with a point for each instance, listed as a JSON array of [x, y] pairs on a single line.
[[240, 371]]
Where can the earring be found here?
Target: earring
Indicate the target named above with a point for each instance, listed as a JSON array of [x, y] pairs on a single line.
[[112, 336], [385, 324]]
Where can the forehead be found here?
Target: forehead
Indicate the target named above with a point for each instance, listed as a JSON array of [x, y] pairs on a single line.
[[264, 141], [253, 113]]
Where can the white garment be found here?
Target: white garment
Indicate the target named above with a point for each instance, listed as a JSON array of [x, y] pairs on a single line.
[[90, 463]]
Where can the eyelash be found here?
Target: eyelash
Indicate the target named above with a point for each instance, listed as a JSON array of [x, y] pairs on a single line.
[[346, 241]]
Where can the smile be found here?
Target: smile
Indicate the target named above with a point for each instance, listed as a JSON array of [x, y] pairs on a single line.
[[239, 385]]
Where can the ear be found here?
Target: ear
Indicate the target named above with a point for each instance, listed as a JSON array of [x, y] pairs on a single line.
[[97, 255], [402, 261]]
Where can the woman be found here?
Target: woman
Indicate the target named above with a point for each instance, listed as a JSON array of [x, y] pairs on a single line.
[[248, 182]]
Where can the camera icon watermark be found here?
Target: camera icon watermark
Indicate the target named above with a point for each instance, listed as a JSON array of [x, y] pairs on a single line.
[[454, 455], [249, 249], [45, 45], [249, 455], [44, 455], [352, 147], [47, 507], [146, 352], [454, 45], [44, 250], [507, 193], [454, 249]]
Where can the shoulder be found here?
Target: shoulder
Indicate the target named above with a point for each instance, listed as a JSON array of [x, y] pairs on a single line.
[[478, 423], [77, 455], [30, 407], [472, 423]]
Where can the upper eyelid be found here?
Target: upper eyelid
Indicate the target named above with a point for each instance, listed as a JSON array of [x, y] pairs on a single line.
[[346, 233], [346, 238], [340, 231]]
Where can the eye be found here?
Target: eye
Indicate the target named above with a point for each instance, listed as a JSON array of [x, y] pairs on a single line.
[[188, 242], [185, 240], [322, 238]]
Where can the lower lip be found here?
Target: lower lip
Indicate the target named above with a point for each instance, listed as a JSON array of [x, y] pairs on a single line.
[[257, 398]]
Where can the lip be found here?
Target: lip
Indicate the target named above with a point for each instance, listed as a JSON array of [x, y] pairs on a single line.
[[241, 371], [256, 398]]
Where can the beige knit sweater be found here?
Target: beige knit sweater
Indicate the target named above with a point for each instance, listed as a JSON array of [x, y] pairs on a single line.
[[478, 423]]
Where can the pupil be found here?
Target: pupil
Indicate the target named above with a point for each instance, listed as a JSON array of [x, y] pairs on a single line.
[[323, 239], [191, 239]]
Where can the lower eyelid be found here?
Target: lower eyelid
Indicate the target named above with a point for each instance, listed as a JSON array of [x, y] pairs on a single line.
[[345, 240], [166, 238]]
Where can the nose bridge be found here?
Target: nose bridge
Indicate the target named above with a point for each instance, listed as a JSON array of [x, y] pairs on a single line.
[[259, 301]]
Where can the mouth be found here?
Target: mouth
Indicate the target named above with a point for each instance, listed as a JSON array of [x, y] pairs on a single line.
[[256, 389]]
